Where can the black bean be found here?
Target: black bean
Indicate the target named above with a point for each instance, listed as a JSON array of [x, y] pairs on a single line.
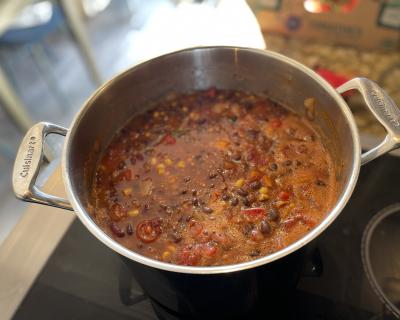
[[194, 192], [273, 214], [207, 210], [195, 202], [255, 185], [225, 197], [186, 179], [212, 185], [233, 118], [163, 206], [265, 228], [198, 156], [246, 202], [236, 156], [129, 229], [176, 236], [146, 207], [273, 166], [234, 202], [252, 133], [201, 120], [320, 183], [255, 253], [117, 230], [288, 162], [184, 191], [121, 165], [242, 192], [212, 175], [297, 163]]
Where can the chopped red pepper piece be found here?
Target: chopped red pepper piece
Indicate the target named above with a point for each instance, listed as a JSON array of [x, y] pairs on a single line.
[[254, 211], [168, 139]]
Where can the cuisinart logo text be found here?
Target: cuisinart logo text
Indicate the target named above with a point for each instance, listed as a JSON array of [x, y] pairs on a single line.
[[28, 157]]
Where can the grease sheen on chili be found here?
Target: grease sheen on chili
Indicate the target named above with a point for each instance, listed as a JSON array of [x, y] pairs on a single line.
[[211, 178]]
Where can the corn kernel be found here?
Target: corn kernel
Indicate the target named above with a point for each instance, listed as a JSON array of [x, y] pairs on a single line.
[[262, 197], [263, 190], [310, 102], [267, 181], [127, 191], [166, 255], [160, 169], [239, 183], [168, 161], [153, 161], [171, 248], [221, 144], [133, 212], [181, 164]]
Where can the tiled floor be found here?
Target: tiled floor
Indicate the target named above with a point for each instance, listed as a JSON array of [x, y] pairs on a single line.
[[110, 33]]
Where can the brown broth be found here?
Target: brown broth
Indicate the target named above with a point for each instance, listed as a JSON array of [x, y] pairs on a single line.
[[212, 178]]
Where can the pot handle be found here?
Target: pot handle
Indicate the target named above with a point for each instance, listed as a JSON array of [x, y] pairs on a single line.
[[28, 163], [385, 111]]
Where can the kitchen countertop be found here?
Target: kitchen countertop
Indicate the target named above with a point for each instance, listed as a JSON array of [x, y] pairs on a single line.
[[26, 250], [381, 67]]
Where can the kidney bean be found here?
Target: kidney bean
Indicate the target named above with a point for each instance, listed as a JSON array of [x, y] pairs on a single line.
[[117, 230]]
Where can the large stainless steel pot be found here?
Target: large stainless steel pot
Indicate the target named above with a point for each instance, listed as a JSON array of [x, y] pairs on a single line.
[[108, 109]]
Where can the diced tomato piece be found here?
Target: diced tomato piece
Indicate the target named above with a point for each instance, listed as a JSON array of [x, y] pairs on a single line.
[[275, 123], [169, 139], [254, 212], [190, 255], [124, 175], [210, 249], [284, 196], [196, 228]]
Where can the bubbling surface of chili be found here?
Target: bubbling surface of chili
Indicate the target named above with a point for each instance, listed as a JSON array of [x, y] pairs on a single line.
[[212, 178]]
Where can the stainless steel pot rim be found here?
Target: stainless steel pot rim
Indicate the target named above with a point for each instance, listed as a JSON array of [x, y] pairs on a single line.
[[366, 259], [331, 216]]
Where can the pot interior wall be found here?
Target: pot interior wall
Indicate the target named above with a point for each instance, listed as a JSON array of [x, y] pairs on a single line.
[[226, 68]]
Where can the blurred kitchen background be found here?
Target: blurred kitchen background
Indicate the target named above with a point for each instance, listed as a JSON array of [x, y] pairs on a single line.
[[54, 54]]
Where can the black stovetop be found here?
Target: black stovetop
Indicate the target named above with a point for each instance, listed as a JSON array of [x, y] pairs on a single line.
[[81, 279]]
